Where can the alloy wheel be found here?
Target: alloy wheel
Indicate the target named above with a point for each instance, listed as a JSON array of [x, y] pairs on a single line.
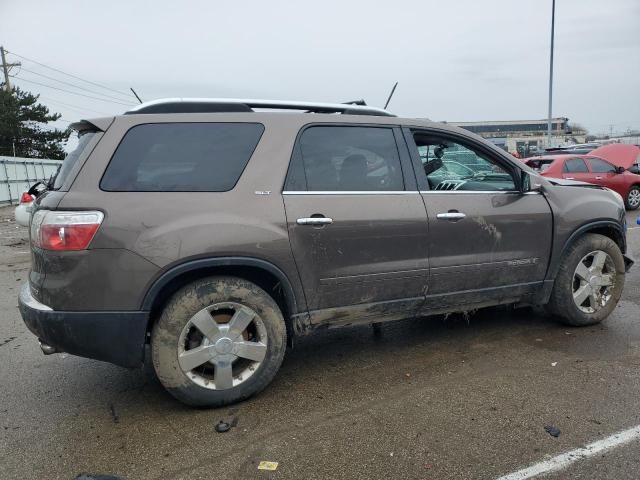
[[593, 281]]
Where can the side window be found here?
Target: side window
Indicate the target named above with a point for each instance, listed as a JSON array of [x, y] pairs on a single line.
[[181, 157], [600, 166], [449, 165], [346, 158], [575, 165]]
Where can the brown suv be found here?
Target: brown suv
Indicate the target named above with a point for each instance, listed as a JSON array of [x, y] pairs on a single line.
[[216, 232]]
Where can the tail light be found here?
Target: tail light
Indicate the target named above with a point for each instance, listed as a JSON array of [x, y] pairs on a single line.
[[64, 231], [26, 198]]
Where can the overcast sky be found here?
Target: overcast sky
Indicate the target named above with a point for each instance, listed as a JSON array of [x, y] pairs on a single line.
[[455, 60]]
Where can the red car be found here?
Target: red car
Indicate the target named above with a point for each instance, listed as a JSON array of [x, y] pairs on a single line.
[[590, 169]]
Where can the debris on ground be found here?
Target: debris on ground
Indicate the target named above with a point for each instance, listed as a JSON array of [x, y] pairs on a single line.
[[93, 476], [553, 431], [226, 424], [264, 465], [553, 364]]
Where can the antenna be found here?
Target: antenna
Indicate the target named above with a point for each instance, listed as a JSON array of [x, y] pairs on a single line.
[[391, 95], [134, 92]]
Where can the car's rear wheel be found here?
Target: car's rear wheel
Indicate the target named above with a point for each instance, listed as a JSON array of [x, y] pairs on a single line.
[[632, 201], [219, 340], [589, 282]]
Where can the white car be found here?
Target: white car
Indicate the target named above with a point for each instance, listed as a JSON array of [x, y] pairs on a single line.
[[23, 210]]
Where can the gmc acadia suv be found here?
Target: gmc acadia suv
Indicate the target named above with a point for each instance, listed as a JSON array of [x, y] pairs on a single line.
[[214, 232]]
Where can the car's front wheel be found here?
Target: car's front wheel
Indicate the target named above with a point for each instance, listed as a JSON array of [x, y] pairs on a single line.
[[632, 201], [589, 282], [219, 340]]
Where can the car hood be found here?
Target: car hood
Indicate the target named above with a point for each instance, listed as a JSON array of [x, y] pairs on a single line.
[[620, 154]]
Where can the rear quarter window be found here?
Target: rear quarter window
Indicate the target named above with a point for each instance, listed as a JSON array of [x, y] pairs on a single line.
[[181, 157], [82, 149]]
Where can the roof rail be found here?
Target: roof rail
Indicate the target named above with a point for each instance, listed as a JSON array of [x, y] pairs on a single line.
[[210, 105]]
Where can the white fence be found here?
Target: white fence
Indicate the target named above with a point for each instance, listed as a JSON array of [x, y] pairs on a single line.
[[17, 174]]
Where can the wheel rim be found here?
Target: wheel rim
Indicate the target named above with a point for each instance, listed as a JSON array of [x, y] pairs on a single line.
[[593, 281], [222, 345], [634, 198]]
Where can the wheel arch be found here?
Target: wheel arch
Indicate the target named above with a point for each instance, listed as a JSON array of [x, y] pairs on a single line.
[[261, 272], [608, 228]]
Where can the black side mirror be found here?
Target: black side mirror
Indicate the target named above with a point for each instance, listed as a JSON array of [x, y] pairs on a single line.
[[635, 169], [619, 169], [432, 165]]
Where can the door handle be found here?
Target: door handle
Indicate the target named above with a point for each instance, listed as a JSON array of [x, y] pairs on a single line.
[[570, 178], [598, 178], [314, 221], [451, 216]]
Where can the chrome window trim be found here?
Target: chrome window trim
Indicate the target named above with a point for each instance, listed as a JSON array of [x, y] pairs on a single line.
[[510, 192], [351, 192]]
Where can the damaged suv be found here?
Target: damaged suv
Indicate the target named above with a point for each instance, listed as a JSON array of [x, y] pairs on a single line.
[[215, 231]]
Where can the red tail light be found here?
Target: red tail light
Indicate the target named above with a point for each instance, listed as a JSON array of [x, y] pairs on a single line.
[[26, 198], [64, 231]]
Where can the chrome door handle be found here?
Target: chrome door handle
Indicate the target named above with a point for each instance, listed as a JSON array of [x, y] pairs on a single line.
[[570, 178], [451, 216], [598, 178], [314, 221]]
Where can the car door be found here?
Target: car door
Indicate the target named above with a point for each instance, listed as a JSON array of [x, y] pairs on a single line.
[[576, 169], [486, 238], [357, 225], [606, 175]]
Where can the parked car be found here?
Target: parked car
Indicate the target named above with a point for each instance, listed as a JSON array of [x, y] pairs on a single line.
[[591, 169], [22, 213], [214, 234], [578, 148]]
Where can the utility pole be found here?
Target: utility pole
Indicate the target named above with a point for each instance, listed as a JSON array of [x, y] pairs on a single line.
[[553, 23], [5, 68]]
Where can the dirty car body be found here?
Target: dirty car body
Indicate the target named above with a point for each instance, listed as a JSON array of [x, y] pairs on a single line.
[[339, 217]]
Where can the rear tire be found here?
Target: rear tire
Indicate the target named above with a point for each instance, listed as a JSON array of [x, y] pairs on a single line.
[[632, 202], [589, 282], [219, 340]]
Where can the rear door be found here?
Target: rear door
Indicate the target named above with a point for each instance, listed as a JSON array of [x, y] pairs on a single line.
[[357, 224], [484, 234], [576, 169]]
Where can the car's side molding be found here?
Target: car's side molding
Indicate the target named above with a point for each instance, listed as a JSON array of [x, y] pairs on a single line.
[[556, 259], [193, 265]]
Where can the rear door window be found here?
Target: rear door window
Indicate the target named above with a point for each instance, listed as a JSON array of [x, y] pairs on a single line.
[[182, 157], [575, 165], [346, 158]]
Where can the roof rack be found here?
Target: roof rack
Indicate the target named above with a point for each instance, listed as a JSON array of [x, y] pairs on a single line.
[[211, 105]]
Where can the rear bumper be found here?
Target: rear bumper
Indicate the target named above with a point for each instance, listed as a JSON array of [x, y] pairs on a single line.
[[114, 337]]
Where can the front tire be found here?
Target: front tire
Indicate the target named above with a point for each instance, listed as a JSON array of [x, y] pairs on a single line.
[[632, 202], [219, 340], [590, 281]]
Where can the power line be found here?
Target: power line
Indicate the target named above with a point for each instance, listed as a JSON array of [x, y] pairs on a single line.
[[69, 74], [78, 108], [74, 93], [71, 84]]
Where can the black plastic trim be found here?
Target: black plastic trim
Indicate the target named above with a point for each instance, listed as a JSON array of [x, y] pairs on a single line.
[[192, 265]]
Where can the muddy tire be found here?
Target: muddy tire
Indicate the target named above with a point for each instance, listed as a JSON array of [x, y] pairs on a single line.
[[219, 340], [589, 282], [632, 202]]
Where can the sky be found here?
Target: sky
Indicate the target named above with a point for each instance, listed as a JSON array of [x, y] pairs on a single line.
[[455, 60]]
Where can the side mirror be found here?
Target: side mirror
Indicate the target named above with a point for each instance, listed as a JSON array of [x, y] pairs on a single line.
[[529, 183], [635, 169], [620, 169]]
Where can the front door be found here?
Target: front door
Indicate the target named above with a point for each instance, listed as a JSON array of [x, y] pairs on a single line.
[[486, 238], [357, 226]]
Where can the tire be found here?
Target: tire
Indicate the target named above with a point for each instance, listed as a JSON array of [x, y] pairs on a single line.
[[632, 202], [220, 306], [601, 299]]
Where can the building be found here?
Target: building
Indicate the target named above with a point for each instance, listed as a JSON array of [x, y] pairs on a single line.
[[526, 137]]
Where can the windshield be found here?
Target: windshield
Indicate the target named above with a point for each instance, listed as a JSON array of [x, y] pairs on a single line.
[[84, 137]]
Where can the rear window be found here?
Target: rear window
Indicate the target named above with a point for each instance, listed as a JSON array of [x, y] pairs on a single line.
[[84, 138], [181, 157]]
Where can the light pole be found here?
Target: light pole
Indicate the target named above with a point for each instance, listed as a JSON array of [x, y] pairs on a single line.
[[553, 22]]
